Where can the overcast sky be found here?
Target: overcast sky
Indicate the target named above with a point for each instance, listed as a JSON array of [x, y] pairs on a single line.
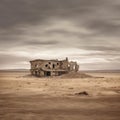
[[87, 31]]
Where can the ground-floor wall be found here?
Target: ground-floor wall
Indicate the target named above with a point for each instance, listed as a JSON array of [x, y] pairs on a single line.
[[41, 73]]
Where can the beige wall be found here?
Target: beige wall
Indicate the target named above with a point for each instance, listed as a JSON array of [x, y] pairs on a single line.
[[49, 65], [39, 66]]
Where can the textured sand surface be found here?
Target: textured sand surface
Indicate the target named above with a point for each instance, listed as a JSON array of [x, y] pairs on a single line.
[[24, 97]]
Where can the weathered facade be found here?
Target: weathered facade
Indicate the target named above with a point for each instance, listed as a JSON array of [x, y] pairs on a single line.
[[43, 68]]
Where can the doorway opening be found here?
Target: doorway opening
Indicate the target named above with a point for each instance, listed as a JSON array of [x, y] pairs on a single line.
[[47, 73]]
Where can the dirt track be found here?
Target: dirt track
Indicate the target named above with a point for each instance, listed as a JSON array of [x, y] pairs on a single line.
[[23, 97]]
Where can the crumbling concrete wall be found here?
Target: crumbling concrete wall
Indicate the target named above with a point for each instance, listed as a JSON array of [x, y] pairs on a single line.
[[52, 67], [73, 66]]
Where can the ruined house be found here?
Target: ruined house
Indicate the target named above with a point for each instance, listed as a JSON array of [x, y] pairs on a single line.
[[43, 68]]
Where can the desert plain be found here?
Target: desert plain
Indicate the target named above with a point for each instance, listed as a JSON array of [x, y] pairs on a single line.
[[25, 97]]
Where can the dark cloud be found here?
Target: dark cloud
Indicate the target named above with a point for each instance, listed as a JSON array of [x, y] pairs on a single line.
[[18, 12], [33, 42], [105, 27], [28, 11], [111, 49], [63, 25], [100, 16]]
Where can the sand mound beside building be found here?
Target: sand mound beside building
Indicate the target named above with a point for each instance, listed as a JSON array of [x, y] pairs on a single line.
[[75, 75], [67, 75]]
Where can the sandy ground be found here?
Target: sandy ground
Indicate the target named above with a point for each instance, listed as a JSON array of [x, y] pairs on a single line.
[[23, 97]]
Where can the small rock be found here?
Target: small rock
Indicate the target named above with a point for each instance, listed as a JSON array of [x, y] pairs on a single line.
[[82, 93], [70, 88]]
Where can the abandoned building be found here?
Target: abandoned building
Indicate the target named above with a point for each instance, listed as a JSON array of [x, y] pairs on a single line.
[[57, 67]]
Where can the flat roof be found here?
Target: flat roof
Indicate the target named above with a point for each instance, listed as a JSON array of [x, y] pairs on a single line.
[[46, 60], [58, 70]]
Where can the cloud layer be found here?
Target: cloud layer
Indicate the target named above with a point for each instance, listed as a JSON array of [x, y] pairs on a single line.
[[84, 30]]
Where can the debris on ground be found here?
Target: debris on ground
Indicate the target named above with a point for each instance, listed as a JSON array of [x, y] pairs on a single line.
[[82, 93]]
